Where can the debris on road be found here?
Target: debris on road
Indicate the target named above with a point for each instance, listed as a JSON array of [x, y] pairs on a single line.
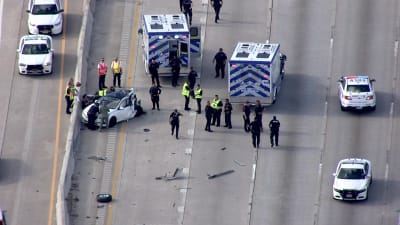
[[219, 174], [173, 177], [97, 158], [224, 148], [104, 198], [238, 163]]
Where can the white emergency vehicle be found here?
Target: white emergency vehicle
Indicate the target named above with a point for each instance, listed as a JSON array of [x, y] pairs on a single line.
[[163, 37], [45, 17], [356, 92], [255, 73], [35, 54]]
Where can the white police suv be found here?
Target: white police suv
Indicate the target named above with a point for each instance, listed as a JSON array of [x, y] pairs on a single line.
[[45, 17], [356, 92], [35, 54], [352, 179]]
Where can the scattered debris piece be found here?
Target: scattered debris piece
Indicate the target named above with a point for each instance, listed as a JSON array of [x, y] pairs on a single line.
[[146, 130], [238, 163], [173, 177], [224, 148], [104, 198], [219, 174], [97, 158]]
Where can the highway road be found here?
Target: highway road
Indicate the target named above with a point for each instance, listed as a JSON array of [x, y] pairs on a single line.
[[293, 183], [33, 124]]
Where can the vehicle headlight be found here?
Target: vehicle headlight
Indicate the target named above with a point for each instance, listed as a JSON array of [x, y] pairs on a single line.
[[362, 190], [58, 23], [47, 63], [32, 24], [337, 190], [22, 64]]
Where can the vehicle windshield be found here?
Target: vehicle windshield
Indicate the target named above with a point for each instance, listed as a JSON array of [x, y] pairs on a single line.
[[111, 102], [44, 9], [351, 173], [358, 88], [35, 49]]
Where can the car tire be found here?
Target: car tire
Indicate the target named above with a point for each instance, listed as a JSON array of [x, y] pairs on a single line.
[[373, 108], [113, 122], [343, 108], [275, 96]]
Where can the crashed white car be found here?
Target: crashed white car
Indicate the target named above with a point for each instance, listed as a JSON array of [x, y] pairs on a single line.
[[352, 179], [35, 54], [45, 17], [123, 105], [356, 92]]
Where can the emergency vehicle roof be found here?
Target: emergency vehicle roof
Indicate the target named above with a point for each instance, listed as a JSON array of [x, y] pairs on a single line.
[[169, 23], [255, 52], [36, 38], [353, 80]]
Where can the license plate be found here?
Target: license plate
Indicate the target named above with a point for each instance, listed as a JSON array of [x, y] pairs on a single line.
[[358, 107], [349, 195], [45, 31]]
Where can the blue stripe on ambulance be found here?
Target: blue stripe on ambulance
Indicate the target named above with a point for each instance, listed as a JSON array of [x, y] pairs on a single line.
[[195, 46]]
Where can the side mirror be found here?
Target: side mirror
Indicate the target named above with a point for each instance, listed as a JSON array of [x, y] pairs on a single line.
[[340, 80], [61, 10], [18, 50], [28, 11], [334, 174]]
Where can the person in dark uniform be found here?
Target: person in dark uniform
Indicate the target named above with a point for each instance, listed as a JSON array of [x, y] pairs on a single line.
[[258, 111], [192, 78], [153, 69], [228, 113], [174, 121], [209, 113], [255, 128], [155, 96], [92, 115], [274, 125], [175, 69], [283, 59], [187, 10], [220, 61], [217, 4], [181, 5], [246, 116]]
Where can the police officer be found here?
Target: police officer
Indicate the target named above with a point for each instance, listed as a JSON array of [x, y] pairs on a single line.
[[283, 59], [255, 128], [104, 114], [153, 69], [155, 96], [258, 111], [217, 107], [220, 61], [175, 69], [174, 121], [209, 113], [274, 125], [228, 113], [187, 10], [192, 78], [217, 4], [198, 95], [186, 94], [246, 116], [92, 114], [117, 71]]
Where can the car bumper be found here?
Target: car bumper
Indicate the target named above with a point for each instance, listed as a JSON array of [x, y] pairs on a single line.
[[350, 195], [353, 105], [55, 29], [43, 70]]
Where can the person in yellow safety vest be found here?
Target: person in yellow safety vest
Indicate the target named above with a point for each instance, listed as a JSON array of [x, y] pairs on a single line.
[[103, 92], [186, 94], [69, 95], [217, 106], [198, 95], [117, 71]]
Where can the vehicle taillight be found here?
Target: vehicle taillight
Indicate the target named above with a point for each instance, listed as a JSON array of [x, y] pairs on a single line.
[[370, 97], [347, 97]]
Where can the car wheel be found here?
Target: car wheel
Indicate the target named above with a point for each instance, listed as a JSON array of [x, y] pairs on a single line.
[[343, 108], [275, 96], [373, 108], [113, 122]]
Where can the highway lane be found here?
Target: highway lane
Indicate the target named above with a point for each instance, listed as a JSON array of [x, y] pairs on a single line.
[[33, 127], [293, 184], [364, 135], [287, 181]]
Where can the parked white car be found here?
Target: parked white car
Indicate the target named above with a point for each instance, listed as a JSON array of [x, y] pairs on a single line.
[[123, 105], [352, 179], [35, 54], [356, 92], [45, 17]]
